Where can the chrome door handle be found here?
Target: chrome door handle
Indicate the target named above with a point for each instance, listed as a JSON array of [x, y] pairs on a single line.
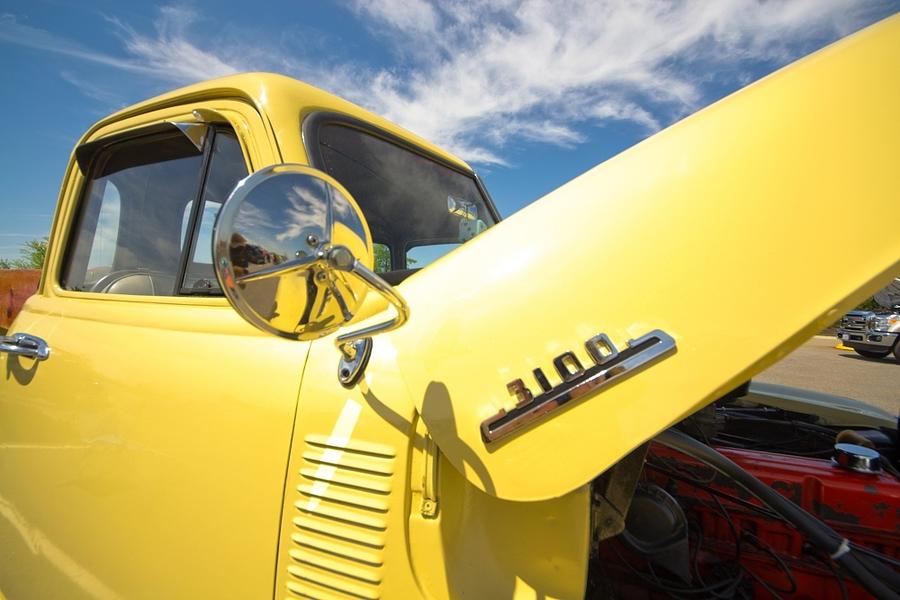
[[23, 344]]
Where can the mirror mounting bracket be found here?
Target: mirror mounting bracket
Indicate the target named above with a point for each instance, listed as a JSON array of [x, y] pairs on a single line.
[[351, 368]]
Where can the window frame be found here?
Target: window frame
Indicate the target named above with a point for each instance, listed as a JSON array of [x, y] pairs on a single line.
[[85, 155], [197, 210]]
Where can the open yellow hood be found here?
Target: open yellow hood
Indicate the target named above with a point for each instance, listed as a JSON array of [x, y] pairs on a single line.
[[738, 233]]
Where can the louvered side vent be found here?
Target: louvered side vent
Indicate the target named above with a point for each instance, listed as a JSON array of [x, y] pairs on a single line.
[[340, 521]]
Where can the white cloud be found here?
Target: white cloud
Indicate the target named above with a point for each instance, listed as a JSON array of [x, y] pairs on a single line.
[[537, 69], [476, 76], [14, 32], [93, 91], [414, 15], [169, 54]]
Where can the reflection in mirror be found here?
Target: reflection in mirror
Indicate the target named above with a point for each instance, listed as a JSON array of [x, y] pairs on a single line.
[[274, 246]]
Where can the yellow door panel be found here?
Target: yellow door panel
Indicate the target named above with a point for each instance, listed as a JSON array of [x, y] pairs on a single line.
[[145, 458], [723, 231]]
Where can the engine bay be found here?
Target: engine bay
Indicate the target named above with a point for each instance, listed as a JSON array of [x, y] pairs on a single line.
[[692, 531]]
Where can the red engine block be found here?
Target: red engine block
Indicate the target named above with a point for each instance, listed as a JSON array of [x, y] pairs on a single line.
[[862, 507]]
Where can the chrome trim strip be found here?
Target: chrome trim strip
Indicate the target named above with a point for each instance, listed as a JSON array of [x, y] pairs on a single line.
[[618, 365]]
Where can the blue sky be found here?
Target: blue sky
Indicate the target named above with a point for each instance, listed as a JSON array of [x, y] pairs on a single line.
[[531, 93]]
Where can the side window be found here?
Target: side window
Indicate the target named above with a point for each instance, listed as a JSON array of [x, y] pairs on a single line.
[[145, 222], [422, 256], [226, 169]]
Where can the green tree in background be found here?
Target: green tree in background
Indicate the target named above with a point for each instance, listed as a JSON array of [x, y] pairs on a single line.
[[32, 255], [382, 258]]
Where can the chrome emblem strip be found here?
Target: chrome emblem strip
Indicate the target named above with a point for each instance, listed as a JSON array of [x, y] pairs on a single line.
[[610, 367]]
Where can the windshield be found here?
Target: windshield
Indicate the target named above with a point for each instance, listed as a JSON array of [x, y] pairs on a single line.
[[417, 209]]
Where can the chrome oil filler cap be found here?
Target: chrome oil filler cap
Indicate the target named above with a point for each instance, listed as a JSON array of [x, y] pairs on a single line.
[[857, 458]]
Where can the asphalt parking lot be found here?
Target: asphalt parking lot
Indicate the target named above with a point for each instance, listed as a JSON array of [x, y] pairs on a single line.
[[818, 365]]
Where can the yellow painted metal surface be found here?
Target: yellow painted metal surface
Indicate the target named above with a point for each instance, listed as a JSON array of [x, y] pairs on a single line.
[[530, 549], [146, 457], [353, 523], [718, 230]]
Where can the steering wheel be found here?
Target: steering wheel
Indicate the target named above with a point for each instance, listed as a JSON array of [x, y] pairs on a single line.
[[145, 283]]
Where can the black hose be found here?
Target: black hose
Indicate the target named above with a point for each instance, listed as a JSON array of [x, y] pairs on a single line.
[[819, 534], [891, 577]]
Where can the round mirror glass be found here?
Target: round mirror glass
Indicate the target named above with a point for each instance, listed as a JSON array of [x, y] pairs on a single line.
[[271, 244]]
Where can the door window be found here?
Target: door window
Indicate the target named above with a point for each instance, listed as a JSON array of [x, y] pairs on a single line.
[[145, 223]]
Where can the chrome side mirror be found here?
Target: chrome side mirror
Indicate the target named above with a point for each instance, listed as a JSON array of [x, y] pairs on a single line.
[[293, 255]]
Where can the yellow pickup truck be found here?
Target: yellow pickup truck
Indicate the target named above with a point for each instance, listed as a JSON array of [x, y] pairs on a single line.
[[218, 391]]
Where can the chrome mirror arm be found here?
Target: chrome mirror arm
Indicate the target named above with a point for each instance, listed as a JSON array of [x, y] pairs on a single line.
[[356, 346], [279, 269], [340, 258]]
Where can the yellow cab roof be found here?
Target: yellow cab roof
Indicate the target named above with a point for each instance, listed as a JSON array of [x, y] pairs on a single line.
[[281, 100]]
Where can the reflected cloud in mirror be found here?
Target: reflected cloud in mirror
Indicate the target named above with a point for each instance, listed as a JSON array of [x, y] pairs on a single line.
[[270, 244]]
